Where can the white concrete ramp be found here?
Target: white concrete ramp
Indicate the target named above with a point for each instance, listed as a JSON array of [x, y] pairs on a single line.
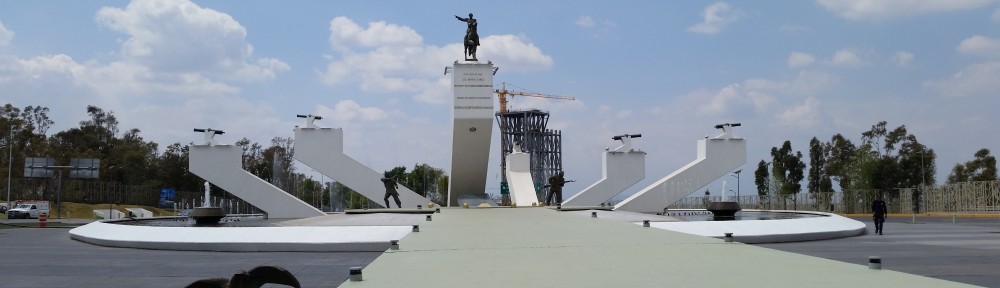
[[716, 157], [140, 213], [323, 150], [621, 170], [109, 214], [223, 166], [522, 186]]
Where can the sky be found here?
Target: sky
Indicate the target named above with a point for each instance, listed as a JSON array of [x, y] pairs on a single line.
[[670, 70]]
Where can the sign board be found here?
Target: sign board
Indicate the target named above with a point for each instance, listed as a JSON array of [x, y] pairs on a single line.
[[167, 196], [34, 167], [86, 168]]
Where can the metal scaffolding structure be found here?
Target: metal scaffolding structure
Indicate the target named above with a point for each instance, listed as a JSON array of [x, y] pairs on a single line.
[[528, 129]]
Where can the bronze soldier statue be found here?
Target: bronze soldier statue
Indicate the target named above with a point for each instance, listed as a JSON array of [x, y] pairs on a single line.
[[390, 191], [471, 41]]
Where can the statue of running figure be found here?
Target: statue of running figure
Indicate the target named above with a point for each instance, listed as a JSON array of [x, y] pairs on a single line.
[[471, 37], [390, 190]]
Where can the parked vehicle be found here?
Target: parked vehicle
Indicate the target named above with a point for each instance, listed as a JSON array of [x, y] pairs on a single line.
[[28, 210]]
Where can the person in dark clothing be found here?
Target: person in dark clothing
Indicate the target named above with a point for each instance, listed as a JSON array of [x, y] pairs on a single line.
[[390, 190], [878, 213], [556, 183]]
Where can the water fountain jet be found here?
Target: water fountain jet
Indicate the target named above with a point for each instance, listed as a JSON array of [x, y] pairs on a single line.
[[207, 214]]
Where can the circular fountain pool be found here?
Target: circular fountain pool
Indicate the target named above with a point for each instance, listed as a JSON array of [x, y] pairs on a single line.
[[241, 220], [702, 215]]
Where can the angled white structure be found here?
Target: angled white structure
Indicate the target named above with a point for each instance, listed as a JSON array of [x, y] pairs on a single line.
[[140, 213], [716, 157], [223, 166], [623, 167], [522, 188], [323, 150], [471, 129]]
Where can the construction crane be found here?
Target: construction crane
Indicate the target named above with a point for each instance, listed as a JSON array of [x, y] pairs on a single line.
[[503, 93]]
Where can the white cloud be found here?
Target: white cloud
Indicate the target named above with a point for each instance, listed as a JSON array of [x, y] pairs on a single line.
[[5, 36], [846, 58], [974, 80], [761, 96], [980, 46], [589, 23], [585, 22], [902, 58], [182, 37], [996, 16], [803, 116], [389, 58], [868, 10], [799, 59], [514, 53], [716, 16], [345, 34], [347, 111], [183, 57]]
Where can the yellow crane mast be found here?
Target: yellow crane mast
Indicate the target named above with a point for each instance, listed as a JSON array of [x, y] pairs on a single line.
[[503, 93]]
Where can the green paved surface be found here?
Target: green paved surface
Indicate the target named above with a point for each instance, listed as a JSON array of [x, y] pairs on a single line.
[[539, 247]]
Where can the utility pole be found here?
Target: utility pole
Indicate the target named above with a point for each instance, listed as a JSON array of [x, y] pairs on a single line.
[[10, 160]]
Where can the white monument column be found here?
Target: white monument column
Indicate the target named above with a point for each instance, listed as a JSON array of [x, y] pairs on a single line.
[[471, 130]]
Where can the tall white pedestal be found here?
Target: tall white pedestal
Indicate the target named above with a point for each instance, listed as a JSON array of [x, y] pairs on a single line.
[[716, 157], [471, 130], [323, 150], [621, 170], [223, 166], [522, 186]]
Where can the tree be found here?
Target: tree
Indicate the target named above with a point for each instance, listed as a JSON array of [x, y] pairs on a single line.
[[818, 155], [899, 159], [982, 168], [172, 169], [423, 178], [788, 169], [761, 178], [842, 152]]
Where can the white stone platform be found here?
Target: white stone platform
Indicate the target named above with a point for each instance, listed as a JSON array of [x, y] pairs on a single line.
[[372, 232], [825, 226]]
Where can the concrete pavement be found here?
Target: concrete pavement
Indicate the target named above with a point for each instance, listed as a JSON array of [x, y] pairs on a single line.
[[967, 251]]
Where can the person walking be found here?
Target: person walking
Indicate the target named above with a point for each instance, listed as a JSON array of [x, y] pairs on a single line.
[[390, 190], [878, 213]]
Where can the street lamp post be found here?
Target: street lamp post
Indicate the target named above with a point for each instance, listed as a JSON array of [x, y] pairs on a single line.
[[737, 183]]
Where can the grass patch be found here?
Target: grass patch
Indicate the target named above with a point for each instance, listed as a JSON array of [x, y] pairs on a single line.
[[71, 210], [35, 225]]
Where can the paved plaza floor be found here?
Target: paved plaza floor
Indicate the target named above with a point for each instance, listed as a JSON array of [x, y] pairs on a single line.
[[49, 258], [966, 251]]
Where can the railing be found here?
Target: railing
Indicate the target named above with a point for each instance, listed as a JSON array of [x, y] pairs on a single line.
[[982, 197]]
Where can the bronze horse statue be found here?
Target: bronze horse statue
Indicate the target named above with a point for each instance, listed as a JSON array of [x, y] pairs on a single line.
[[471, 40]]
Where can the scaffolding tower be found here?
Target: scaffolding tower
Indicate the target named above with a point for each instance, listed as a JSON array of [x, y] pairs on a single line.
[[528, 129]]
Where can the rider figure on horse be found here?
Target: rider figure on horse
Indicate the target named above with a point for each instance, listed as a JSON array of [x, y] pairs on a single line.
[[471, 37]]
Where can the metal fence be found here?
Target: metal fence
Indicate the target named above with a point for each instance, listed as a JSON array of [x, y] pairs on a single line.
[[981, 197]]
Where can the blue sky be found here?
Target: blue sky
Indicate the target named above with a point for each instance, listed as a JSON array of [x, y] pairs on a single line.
[[788, 70]]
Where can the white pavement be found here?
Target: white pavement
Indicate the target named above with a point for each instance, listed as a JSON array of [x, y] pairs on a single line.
[[372, 232], [827, 226]]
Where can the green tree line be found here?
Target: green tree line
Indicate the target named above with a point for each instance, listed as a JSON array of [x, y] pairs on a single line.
[[129, 159], [884, 159]]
